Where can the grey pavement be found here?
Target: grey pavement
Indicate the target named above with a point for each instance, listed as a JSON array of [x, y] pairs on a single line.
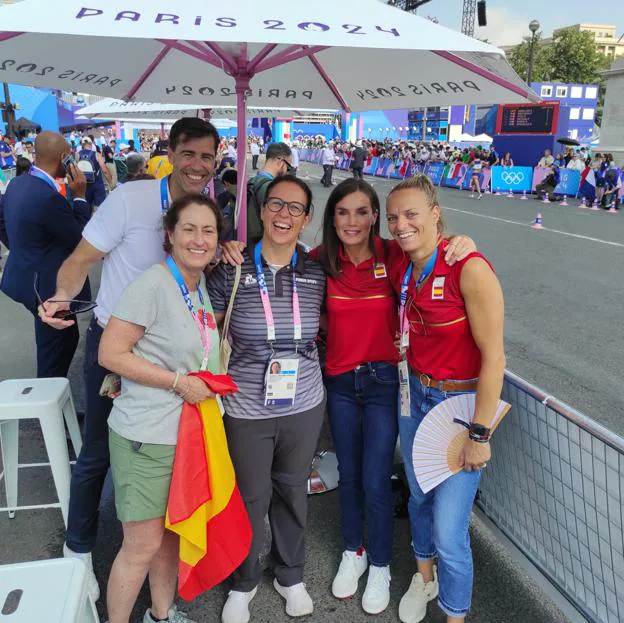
[[563, 298]]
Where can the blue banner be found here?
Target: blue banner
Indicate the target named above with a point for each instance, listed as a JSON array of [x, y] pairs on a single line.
[[516, 179], [569, 182], [434, 170]]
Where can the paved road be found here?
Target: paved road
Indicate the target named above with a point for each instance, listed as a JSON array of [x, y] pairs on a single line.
[[563, 333], [564, 289]]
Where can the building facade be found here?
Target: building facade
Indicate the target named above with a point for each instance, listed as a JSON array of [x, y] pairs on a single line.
[[578, 101], [607, 41]]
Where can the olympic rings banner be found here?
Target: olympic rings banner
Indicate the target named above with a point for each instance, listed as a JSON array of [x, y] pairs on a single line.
[[516, 179]]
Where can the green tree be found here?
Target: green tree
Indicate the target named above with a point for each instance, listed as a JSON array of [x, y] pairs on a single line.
[[518, 58], [573, 57]]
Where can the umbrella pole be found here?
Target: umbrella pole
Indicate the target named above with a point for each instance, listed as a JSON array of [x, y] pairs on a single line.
[[242, 85]]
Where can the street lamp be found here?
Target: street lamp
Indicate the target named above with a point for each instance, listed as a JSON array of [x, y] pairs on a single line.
[[533, 27]]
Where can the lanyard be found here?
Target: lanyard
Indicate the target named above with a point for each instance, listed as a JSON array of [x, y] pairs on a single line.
[[42, 175], [266, 303], [201, 319], [164, 195], [404, 323]]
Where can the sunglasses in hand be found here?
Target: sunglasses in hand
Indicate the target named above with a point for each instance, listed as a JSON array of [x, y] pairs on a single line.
[[75, 306]]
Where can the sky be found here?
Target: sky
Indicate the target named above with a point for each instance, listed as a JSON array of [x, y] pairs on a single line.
[[508, 19]]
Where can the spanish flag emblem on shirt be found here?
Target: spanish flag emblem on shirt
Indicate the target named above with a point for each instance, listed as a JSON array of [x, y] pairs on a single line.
[[205, 506]]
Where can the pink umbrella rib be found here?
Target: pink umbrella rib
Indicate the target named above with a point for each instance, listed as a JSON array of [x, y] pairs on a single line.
[[288, 56], [202, 56], [216, 61], [223, 55], [457, 60], [147, 73], [266, 50], [5, 36], [330, 83]]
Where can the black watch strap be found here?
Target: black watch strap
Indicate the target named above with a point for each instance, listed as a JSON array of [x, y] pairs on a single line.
[[479, 433]]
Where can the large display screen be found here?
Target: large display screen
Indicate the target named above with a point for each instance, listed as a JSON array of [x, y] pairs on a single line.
[[527, 119]]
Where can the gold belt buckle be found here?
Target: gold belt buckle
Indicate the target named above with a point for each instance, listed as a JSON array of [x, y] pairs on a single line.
[[425, 376]]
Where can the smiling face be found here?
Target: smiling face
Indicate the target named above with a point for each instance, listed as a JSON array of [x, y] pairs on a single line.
[[282, 228], [193, 164], [354, 219], [412, 222], [194, 238]]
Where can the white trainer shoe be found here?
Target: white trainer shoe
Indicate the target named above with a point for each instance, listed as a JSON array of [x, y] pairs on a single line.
[[352, 567], [92, 583], [413, 605], [377, 594], [298, 601], [173, 616], [236, 608]]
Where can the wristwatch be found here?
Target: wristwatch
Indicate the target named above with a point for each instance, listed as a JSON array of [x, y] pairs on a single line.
[[479, 433]]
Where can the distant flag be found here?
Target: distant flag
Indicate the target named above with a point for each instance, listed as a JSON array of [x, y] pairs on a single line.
[[205, 506]]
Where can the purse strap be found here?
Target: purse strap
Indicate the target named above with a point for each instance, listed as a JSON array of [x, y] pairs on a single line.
[[228, 313]]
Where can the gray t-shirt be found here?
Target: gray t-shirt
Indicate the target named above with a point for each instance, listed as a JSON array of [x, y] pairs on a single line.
[[172, 341]]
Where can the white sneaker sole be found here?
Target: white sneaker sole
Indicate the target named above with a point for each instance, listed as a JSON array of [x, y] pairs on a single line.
[[350, 595], [282, 592]]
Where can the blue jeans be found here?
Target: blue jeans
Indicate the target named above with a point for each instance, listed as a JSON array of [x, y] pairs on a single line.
[[93, 462], [362, 406], [439, 519]]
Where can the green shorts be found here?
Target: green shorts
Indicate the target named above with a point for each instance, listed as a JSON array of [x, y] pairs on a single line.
[[141, 477]]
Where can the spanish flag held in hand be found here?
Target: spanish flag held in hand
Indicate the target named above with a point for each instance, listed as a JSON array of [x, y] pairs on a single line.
[[205, 507]]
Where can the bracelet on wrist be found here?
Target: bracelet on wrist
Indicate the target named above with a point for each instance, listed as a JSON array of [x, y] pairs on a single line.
[[175, 382], [479, 433]]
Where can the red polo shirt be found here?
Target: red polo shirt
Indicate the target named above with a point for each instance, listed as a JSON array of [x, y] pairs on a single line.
[[441, 343], [362, 320]]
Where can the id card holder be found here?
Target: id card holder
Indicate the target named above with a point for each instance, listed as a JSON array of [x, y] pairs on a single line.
[[404, 388], [281, 382]]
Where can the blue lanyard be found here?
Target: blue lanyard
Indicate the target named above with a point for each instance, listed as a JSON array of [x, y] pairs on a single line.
[[36, 172], [164, 197], [266, 303], [427, 270], [202, 320]]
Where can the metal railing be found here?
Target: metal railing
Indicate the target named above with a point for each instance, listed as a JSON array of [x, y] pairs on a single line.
[[555, 489]]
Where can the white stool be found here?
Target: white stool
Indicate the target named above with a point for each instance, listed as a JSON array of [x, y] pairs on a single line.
[[49, 401], [55, 591]]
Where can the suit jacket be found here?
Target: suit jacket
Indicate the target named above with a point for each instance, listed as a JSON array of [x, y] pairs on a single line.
[[41, 230], [359, 158]]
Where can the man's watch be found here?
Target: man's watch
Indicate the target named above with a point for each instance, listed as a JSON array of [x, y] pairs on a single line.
[[479, 433]]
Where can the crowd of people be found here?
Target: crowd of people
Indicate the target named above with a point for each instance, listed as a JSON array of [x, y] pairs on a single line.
[[160, 304]]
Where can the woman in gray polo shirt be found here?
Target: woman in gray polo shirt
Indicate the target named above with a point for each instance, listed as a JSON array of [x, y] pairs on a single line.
[[162, 328], [274, 421]]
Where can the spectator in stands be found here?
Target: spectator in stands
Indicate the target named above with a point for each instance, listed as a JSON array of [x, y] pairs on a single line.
[[29, 151], [546, 160], [159, 165], [465, 359], [137, 169], [493, 158], [507, 160], [576, 163], [568, 156], [7, 156], [22, 166]]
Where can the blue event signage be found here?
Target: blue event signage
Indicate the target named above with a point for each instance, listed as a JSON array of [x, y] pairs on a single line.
[[569, 182], [434, 171], [516, 179]]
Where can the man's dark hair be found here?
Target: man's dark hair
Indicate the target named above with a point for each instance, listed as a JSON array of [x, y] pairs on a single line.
[[230, 176], [22, 166], [278, 150], [189, 128]]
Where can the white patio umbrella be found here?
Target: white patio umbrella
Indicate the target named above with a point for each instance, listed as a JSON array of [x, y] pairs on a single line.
[[321, 55], [115, 109]]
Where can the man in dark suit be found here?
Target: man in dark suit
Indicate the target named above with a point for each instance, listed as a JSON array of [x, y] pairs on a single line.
[[41, 228], [359, 158]]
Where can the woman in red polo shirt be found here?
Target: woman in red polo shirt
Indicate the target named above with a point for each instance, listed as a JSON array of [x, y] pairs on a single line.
[[451, 325]]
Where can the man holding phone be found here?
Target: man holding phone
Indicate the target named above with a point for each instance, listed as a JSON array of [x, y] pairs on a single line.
[[42, 230]]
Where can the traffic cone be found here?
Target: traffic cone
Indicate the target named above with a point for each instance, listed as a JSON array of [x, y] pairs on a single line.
[[582, 204], [524, 197], [612, 208], [538, 222], [498, 192], [564, 202], [546, 199], [509, 194], [595, 205]]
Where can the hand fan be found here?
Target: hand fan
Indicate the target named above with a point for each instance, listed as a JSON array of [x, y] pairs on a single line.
[[441, 437]]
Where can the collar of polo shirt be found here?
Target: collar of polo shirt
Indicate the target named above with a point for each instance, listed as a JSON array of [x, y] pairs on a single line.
[[299, 266]]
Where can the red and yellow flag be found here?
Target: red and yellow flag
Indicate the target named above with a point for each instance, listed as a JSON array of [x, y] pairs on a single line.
[[205, 506]]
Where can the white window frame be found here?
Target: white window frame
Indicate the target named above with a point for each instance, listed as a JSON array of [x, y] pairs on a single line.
[[575, 112], [546, 90], [576, 92], [588, 114], [561, 92]]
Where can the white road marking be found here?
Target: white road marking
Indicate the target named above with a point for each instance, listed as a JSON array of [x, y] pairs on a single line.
[[554, 231]]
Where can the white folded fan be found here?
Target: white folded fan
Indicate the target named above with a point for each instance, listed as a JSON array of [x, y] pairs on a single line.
[[441, 437]]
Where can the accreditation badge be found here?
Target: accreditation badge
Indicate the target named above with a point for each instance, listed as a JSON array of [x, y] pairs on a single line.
[[404, 388], [281, 382]]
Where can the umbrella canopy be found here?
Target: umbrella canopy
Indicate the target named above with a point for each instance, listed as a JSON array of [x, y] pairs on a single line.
[[571, 142], [26, 125], [291, 53], [119, 110]]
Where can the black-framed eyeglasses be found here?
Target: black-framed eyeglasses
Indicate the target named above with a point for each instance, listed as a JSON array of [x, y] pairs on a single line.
[[76, 306], [295, 208], [289, 167]]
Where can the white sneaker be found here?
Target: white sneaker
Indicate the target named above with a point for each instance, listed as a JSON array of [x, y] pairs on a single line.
[[413, 606], [472, 196], [236, 609], [92, 583], [352, 567], [377, 594], [298, 601], [173, 616]]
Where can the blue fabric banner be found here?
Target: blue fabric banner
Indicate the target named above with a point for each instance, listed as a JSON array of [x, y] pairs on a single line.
[[516, 179]]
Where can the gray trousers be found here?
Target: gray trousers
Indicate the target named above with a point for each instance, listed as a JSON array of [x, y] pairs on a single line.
[[272, 459]]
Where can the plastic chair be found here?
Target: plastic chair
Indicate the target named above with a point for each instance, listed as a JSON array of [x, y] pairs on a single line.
[[50, 401], [54, 591]]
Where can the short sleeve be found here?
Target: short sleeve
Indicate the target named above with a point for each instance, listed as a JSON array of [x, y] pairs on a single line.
[[139, 301], [217, 286], [105, 230]]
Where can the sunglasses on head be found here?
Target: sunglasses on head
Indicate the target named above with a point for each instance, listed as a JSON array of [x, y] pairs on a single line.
[[76, 306]]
